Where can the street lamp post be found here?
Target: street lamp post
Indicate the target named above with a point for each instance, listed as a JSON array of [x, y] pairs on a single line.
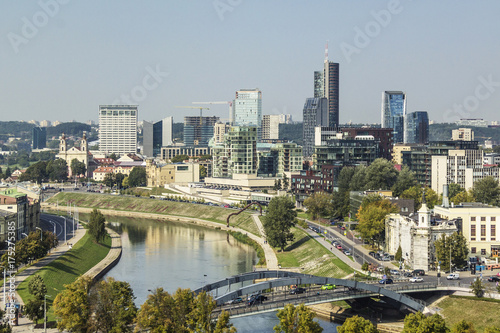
[[65, 230], [45, 313], [54, 224], [41, 233]]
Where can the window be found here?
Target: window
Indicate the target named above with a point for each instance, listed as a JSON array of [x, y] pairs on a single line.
[[493, 232], [483, 230], [473, 219], [493, 219], [473, 231], [483, 218], [483, 252]]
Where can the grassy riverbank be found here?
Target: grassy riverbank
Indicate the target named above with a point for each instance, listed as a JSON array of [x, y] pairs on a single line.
[[482, 312], [83, 256], [311, 257], [155, 206]]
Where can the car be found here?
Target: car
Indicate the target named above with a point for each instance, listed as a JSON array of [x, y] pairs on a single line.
[[298, 290], [453, 276], [339, 247], [494, 279], [371, 253], [386, 281], [420, 272], [235, 301], [328, 286], [416, 279], [347, 252], [255, 299], [394, 272]]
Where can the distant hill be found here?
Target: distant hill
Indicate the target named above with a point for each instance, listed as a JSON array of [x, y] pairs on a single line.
[[291, 132], [441, 132]]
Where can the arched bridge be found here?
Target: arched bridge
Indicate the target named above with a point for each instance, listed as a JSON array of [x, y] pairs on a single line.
[[277, 279]]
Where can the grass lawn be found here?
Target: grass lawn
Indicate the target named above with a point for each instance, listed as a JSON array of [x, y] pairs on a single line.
[[312, 257], [83, 256], [482, 313], [155, 206], [302, 215]]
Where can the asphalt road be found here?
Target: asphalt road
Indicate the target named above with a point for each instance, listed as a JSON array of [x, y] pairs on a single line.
[[63, 226]]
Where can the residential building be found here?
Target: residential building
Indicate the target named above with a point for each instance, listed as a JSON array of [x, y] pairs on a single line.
[[397, 151], [476, 122], [167, 153], [416, 127], [326, 85], [39, 137], [462, 134], [491, 159], [307, 182], [238, 153], [285, 118], [199, 130], [118, 129], [270, 126], [394, 112], [45, 123], [315, 113], [247, 109], [100, 173], [157, 135], [162, 174], [18, 208], [280, 159], [220, 129], [382, 135]]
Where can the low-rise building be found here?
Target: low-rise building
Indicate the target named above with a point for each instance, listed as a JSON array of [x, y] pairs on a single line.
[[26, 212], [161, 174]]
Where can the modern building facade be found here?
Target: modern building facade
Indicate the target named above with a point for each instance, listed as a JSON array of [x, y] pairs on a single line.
[[157, 135], [118, 129], [247, 109], [270, 126], [382, 135], [394, 112], [199, 130], [220, 129], [462, 134], [169, 152], [161, 174], [346, 151], [416, 128], [315, 113], [39, 137]]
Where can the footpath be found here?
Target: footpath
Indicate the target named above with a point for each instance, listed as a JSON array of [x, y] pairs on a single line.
[[96, 272]]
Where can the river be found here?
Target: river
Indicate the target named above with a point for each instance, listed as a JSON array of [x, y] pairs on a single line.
[[175, 255]]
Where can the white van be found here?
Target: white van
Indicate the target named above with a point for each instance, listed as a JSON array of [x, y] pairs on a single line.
[[453, 276]]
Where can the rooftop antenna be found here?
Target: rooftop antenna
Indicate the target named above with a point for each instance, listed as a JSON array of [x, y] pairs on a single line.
[[326, 52]]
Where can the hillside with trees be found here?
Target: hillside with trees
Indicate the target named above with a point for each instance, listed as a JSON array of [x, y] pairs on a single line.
[[442, 131]]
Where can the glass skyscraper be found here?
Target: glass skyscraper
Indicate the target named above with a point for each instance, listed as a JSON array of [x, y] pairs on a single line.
[[39, 137], [315, 114], [198, 130], [417, 127], [157, 135], [393, 113], [326, 84], [247, 109]]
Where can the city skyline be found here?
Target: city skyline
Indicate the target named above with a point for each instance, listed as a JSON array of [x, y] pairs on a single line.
[[67, 58]]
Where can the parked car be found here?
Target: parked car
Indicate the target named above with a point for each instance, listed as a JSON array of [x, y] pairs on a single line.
[[494, 279], [347, 252], [420, 272], [416, 279], [372, 254], [394, 272], [339, 247], [386, 281], [298, 290], [328, 286], [453, 276]]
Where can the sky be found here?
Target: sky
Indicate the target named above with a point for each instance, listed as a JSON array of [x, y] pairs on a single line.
[[61, 59]]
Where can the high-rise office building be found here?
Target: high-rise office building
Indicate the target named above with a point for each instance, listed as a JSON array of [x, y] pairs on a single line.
[[157, 135], [416, 127], [326, 84], [315, 113], [198, 130], [118, 129], [271, 126], [39, 137], [394, 112], [247, 109]]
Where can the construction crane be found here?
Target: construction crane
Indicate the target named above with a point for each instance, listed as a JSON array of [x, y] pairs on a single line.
[[193, 107], [223, 102]]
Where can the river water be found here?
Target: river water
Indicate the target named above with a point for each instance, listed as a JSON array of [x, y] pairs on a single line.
[[175, 255]]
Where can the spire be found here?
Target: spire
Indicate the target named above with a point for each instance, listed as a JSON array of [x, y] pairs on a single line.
[[423, 198], [326, 52]]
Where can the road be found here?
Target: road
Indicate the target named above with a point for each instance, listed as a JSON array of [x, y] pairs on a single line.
[[63, 226]]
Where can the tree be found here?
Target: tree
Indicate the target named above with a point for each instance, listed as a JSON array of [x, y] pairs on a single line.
[[464, 196], [112, 306], [109, 180], [358, 182], [487, 191], [454, 189], [203, 171], [72, 306], [34, 308], [454, 246], [477, 287], [463, 326], [417, 322], [415, 193], [357, 324], [114, 156], [318, 204], [36, 173], [137, 177], [96, 225], [399, 254], [381, 174], [8, 172], [57, 170], [492, 329], [405, 180], [371, 219], [77, 167], [285, 182], [119, 177], [277, 184], [179, 158], [297, 319], [280, 218], [37, 287]]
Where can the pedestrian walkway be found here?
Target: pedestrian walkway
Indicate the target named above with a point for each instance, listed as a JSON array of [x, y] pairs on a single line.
[[271, 259], [25, 325]]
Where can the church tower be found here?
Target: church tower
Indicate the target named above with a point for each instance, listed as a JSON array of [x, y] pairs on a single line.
[[424, 214], [63, 145], [84, 144]]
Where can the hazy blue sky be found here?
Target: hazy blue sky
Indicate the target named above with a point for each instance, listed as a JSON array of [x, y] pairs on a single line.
[[60, 62]]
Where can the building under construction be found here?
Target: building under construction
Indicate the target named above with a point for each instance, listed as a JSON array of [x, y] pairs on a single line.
[[198, 130]]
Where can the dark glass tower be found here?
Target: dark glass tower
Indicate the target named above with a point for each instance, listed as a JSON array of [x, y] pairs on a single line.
[[417, 127], [326, 84], [393, 113], [39, 137], [315, 114]]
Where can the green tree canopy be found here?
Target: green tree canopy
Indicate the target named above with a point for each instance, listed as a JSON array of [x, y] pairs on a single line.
[[36, 287], [279, 219], [77, 167], [179, 158], [477, 287], [358, 181], [109, 179], [454, 246], [319, 204], [296, 320], [137, 177], [487, 191], [405, 180], [357, 324], [463, 326], [72, 306], [380, 175], [417, 322], [57, 170], [464, 196], [415, 193], [36, 173], [454, 189], [371, 220], [97, 227]]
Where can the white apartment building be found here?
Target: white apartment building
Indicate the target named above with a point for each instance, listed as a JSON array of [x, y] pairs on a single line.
[[462, 134], [118, 129], [271, 126]]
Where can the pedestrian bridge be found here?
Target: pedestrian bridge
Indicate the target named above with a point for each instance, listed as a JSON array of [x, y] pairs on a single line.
[[233, 287]]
